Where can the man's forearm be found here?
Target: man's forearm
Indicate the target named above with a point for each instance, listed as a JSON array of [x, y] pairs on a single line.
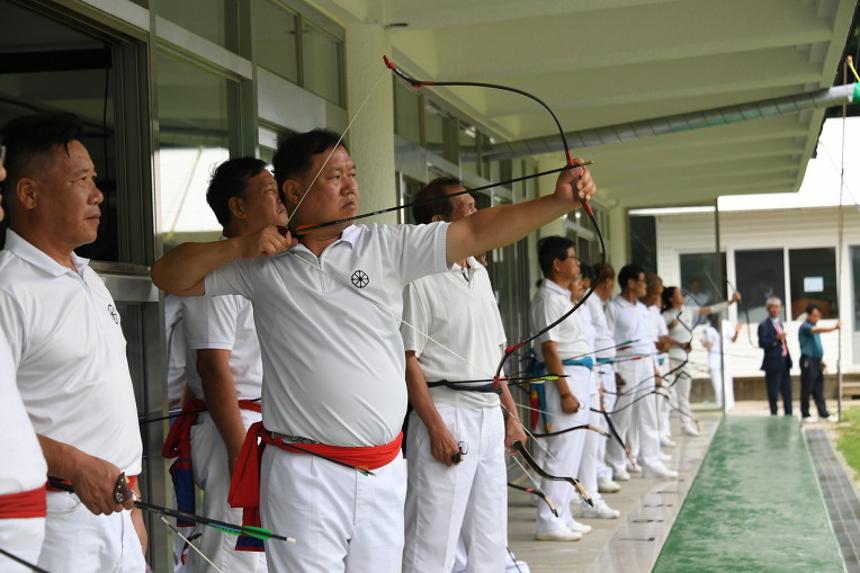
[[220, 393], [508, 404], [554, 365], [419, 395], [186, 266], [62, 458], [499, 226]]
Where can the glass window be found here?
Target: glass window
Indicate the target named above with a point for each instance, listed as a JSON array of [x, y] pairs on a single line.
[[193, 140], [276, 39], [440, 131], [855, 273], [322, 65], [643, 242], [206, 18], [760, 274], [812, 276], [407, 120], [699, 277], [52, 55]]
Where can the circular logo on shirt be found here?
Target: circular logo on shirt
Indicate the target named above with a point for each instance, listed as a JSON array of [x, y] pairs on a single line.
[[360, 279], [113, 314]]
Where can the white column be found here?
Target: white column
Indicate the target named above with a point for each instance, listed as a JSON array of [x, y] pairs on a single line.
[[619, 231], [371, 137]]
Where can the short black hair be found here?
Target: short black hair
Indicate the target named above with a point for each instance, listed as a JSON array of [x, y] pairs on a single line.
[[550, 249], [230, 179], [586, 271], [667, 295], [629, 272], [433, 200], [602, 273], [296, 150], [33, 136], [812, 306]]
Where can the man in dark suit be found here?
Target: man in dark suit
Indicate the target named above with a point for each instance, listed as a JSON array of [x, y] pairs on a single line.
[[777, 360]]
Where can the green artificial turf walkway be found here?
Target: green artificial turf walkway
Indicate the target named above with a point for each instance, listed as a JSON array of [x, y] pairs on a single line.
[[755, 506]]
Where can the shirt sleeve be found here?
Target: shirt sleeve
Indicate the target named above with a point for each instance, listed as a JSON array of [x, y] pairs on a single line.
[[416, 320], [209, 322], [13, 327], [232, 279], [418, 250], [546, 311]]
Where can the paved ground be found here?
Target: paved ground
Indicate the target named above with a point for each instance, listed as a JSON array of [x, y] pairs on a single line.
[[629, 544], [755, 506]]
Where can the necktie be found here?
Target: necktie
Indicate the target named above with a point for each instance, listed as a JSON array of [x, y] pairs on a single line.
[[778, 328]]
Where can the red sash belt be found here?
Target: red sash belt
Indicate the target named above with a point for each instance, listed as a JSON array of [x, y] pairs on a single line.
[[178, 445], [24, 504], [245, 485]]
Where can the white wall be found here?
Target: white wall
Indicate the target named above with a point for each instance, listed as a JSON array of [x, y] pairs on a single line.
[[765, 229]]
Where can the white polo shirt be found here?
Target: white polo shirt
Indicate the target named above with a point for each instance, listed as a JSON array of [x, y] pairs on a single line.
[[656, 328], [549, 304], [688, 316], [66, 341], [329, 330], [630, 322], [603, 339], [458, 310], [22, 465], [224, 323]]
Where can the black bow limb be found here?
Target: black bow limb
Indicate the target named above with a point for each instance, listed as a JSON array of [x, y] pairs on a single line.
[[577, 485], [539, 493]]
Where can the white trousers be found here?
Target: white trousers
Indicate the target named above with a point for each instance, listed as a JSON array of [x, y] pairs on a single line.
[[717, 382], [682, 391], [637, 424], [588, 469], [663, 405], [564, 451], [23, 539], [78, 541], [607, 376], [512, 564], [212, 475], [342, 520], [468, 500]]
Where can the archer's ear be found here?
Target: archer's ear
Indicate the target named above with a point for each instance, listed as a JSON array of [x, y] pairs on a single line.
[[27, 193], [292, 191], [237, 207]]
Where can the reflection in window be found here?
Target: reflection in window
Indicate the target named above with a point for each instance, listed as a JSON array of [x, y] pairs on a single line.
[[812, 277], [643, 242], [276, 39], [321, 63], [699, 278], [760, 274], [440, 132], [206, 18], [407, 122], [193, 140]]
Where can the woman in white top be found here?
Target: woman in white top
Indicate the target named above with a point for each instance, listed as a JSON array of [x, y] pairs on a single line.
[[680, 320], [714, 343]]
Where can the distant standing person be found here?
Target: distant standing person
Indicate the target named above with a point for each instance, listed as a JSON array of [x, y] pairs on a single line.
[[713, 341], [777, 359], [812, 365]]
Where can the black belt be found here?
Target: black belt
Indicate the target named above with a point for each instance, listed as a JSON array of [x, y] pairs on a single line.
[[466, 386]]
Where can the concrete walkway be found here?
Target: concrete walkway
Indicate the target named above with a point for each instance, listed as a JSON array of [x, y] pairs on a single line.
[[630, 544]]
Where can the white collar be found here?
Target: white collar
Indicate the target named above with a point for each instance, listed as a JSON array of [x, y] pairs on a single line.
[[25, 250]]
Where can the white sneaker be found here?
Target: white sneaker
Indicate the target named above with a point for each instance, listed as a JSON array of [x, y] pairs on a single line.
[[810, 419], [605, 485], [620, 475], [691, 430], [578, 527], [634, 468], [664, 457], [561, 534], [667, 442], [659, 471], [600, 511]]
